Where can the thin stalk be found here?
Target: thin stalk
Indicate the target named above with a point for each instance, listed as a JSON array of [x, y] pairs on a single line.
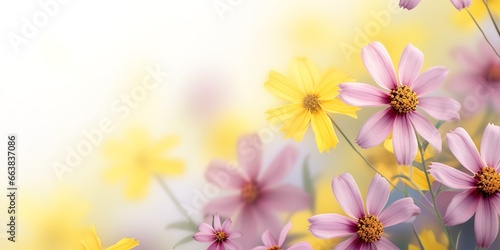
[[491, 16], [482, 32], [418, 237], [176, 202]]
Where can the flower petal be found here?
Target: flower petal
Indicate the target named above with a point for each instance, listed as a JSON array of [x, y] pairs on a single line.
[[485, 223], [385, 244], [280, 166], [283, 113], [297, 124], [327, 226], [284, 198], [440, 108], [410, 65], [250, 155], [205, 228], [379, 64], [305, 74], [217, 225], [376, 129], [350, 244], [338, 107], [362, 94], [430, 80], [347, 193], [427, 130], [214, 246], [451, 177], [283, 87], [398, 212], [323, 131], [378, 194], [268, 239], [404, 140], [204, 237], [284, 233], [461, 208], [463, 148], [301, 246], [225, 206], [231, 245], [460, 4], [223, 175], [328, 87], [490, 146], [408, 4], [226, 225]]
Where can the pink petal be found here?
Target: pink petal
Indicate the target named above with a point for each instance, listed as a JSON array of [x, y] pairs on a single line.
[[379, 64], [378, 194], [362, 94], [215, 246], [301, 246], [203, 237], [367, 246], [350, 244], [490, 146], [404, 141], [327, 226], [232, 245], [259, 248], [461, 208], [410, 65], [347, 193], [280, 166], [205, 228], [248, 224], [226, 225], [225, 206], [408, 4], [426, 129], [376, 129], [495, 200], [460, 4], [485, 223], [250, 155], [284, 233], [223, 175], [463, 148], [385, 244], [430, 80], [398, 212], [268, 239], [233, 234], [440, 108], [286, 197], [217, 225], [451, 177]]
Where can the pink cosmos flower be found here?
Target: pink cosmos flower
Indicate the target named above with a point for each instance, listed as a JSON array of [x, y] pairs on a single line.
[[410, 4], [219, 236], [401, 98], [481, 190], [257, 197], [365, 227], [271, 243], [479, 79]]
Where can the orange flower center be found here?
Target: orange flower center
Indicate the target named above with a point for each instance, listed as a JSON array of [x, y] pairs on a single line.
[[369, 229], [493, 74], [221, 236], [488, 181], [249, 192], [274, 248], [403, 99], [311, 103]]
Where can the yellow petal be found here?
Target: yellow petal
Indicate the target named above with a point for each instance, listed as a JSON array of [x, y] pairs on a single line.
[[124, 244], [90, 240], [338, 107], [323, 131], [116, 173], [296, 124], [417, 176], [137, 137], [328, 87], [165, 144], [283, 113], [114, 149], [305, 74], [168, 166], [138, 184], [283, 87]]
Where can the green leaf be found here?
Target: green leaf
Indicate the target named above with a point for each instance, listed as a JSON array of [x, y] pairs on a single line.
[[308, 182], [183, 241], [182, 225]]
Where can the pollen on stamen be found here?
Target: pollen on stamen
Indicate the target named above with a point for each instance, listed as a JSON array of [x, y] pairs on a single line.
[[488, 181], [403, 99], [311, 103], [221, 236], [369, 229], [274, 248]]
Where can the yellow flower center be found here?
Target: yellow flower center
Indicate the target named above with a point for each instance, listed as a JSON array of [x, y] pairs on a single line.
[[221, 236], [249, 192], [142, 160], [369, 229], [488, 181], [403, 99], [311, 103]]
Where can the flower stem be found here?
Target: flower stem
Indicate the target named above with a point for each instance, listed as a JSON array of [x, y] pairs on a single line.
[[418, 237], [362, 157], [482, 32], [424, 167], [491, 16], [176, 202]]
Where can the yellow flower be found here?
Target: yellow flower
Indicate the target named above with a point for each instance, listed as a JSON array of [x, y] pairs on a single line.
[[137, 160], [429, 241], [91, 241], [311, 97]]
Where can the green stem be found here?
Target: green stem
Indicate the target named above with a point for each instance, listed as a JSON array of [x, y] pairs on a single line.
[[418, 237], [482, 32], [491, 16], [432, 194], [176, 202]]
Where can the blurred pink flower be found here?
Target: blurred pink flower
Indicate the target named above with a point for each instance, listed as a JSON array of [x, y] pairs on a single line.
[[479, 79], [401, 116], [257, 198], [271, 243], [410, 4], [219, 236], [365, 228], [481, 191]]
